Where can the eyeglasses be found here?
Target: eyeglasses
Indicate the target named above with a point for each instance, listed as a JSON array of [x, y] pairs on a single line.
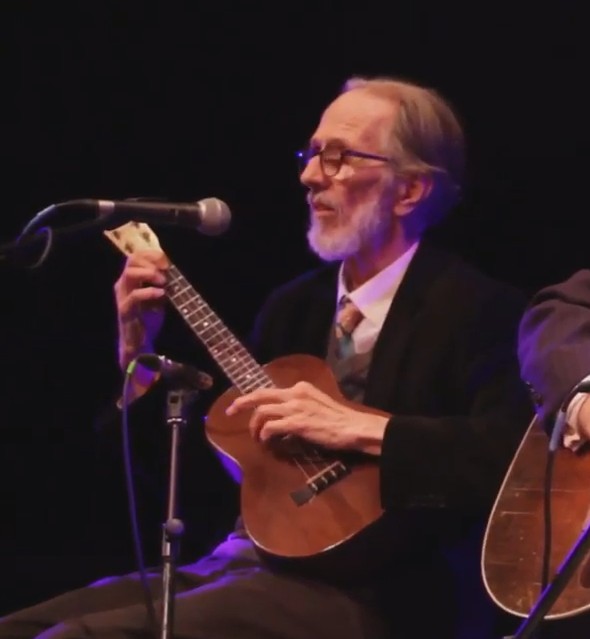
[[331, 158]]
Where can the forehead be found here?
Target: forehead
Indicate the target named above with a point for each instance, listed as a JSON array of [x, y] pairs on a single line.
[[356, 117]]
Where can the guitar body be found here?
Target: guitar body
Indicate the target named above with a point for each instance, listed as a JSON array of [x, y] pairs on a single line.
[[512, 556], [313, 532]]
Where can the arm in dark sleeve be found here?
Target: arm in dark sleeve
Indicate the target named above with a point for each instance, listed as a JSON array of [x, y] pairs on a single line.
[[459, 460], [554, 341]]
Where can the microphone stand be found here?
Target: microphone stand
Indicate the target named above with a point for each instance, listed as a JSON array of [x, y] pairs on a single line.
[[177, 403], [550, 595]]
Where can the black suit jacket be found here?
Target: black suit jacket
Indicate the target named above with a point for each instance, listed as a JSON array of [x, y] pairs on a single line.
[[554, 342], [445, 365]]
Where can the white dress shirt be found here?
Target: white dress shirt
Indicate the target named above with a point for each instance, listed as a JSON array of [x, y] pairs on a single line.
[[374, 297]]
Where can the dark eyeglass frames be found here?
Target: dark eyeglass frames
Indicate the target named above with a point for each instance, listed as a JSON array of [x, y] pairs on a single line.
[[331, 158]]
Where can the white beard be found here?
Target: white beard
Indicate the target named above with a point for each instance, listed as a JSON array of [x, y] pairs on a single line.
[[336, 238]]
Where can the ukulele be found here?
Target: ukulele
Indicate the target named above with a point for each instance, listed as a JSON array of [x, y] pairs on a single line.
[[300, 505]]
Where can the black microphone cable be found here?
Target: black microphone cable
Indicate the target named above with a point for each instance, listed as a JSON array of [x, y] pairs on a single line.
[[554, 443], [136, 536]]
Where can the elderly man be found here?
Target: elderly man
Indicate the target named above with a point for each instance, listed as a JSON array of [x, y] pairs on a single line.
[[408, 330]]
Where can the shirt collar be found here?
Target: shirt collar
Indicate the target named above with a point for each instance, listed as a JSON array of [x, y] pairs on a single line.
[[373, 298]]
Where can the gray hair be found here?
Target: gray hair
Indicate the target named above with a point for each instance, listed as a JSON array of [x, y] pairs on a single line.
[[426, 136]]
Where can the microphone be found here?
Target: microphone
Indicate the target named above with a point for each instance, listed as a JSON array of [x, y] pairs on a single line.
[[172, 371], [210, 216]]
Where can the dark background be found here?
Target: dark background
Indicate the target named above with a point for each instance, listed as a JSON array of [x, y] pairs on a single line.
[[115, 100]]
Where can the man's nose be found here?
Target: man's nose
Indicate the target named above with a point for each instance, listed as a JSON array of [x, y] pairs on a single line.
[[312, 175]]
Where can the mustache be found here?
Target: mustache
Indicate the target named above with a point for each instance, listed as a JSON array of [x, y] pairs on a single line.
[[321, 201]]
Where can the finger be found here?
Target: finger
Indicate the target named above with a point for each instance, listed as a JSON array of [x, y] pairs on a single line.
[[144, 273], [305, 390], [256, 397], [130, 303], [135, 277], [152, 260], [265, 412], [146, 257], [274, 428]]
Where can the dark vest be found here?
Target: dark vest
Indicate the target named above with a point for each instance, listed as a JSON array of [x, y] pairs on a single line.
[[351, 372]]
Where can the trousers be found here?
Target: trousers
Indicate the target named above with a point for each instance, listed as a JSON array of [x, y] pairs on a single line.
[[216, 598]]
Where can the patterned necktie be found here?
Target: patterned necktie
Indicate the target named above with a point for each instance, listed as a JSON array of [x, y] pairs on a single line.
[[347, 319]]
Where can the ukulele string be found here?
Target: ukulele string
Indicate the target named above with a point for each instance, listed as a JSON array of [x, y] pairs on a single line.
[[254, 374]]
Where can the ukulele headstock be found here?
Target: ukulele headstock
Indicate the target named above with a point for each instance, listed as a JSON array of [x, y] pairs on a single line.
[[132, 237]]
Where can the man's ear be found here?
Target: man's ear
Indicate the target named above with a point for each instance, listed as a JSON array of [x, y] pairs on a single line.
[[411, 191]]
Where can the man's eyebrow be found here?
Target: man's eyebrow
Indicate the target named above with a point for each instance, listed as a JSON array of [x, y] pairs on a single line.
[[330, 142]]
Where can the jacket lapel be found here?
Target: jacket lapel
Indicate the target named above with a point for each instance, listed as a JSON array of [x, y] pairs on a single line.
[[315, 340], [398, 329]]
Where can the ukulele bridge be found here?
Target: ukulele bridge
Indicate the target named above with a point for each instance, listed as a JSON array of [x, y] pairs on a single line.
[[319, 482]]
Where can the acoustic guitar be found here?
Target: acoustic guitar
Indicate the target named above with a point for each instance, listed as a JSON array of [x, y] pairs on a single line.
[[514, 542], [298, 502]]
